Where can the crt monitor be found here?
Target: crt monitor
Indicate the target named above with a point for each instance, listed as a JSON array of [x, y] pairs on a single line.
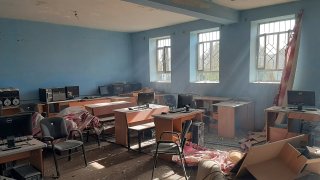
[[103, 90], [16, 125], [145, 98], [185, 99], [301, 98]]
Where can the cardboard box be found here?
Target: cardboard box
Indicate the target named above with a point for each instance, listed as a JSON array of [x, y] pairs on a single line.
[[277, 134], [278, 160]]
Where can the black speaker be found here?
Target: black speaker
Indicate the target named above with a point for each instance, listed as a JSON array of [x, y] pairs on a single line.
[[198, 133], [72, 92], [9, 96]]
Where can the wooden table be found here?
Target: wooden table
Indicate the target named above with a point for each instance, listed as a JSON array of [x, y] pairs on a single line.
[[106, 109], [272, 112], [33, 152], [123, 98], [234, 114], [71, 102], [207, 101], [173, 122], [10, 110], [125, 117]]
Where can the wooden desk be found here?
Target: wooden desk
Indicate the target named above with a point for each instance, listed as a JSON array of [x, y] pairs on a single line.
[[173, 122], [272, 112], [84, 102], [71, 102], [125, 117], [234, 114], [10, 110], [105, 109], [122, 98], [206, 103], [33, 152]]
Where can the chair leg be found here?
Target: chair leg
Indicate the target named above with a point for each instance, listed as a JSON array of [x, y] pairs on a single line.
[[155, 157], [84, 156], [139, 140], [88, 134], [98, 139], [56, 163], [128, 139], [182, 163], [69, 157]]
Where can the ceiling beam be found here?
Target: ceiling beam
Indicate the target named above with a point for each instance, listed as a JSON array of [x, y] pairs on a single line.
[[196, 8]]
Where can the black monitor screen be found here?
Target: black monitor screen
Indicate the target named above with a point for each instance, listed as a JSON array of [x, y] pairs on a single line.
[[185, 99], [301, 98], [145, 98], [103, 90], [16, 125]]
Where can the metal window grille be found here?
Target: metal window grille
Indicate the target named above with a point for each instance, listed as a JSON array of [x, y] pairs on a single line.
[[208, 55], [273, 38], [164, 55]]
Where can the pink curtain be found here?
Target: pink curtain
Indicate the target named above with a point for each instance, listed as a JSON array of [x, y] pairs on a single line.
[[288, 72]]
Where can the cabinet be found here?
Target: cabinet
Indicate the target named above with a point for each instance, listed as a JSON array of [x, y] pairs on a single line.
[[232, 115]]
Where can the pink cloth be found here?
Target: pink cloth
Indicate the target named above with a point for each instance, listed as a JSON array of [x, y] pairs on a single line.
[[194, 154], [76, 118]]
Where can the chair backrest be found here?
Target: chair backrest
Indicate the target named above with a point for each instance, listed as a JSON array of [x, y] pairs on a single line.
[[54, 127], [185, 130], [170, 100]]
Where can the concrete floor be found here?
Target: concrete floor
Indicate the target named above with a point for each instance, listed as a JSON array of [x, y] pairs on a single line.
[[112, 161]]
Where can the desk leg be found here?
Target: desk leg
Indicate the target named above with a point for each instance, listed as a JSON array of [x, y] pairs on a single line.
[[36, 160]]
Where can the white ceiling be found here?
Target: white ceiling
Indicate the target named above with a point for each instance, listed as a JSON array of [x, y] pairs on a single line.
[[114, 15], [249, 4]]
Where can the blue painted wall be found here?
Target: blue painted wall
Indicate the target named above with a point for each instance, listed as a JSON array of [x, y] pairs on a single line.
[[235, 57], [34, 55]]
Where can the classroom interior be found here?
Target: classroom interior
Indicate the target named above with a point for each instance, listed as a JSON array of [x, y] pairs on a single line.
[[119, 73]]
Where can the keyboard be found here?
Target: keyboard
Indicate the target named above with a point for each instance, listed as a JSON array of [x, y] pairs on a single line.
[[310, 109], [177, 110], [16, 139]]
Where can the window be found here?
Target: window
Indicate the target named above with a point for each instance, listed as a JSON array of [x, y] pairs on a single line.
[[160, 59], [271, 42], [208, 56]]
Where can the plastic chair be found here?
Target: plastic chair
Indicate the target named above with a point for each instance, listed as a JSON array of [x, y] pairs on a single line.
[[171, 147], [55, 128]]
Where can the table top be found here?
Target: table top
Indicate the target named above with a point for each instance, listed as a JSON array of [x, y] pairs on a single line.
[[178, 114], [232, 103], [106, 104], [211, 98], [30, 145], [137, 109], [290, 110]]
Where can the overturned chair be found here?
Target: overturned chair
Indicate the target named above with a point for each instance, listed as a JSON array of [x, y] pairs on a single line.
[[55, 128]]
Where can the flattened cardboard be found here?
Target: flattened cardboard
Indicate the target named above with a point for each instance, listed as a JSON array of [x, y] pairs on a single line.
[[266, 152], [287, 165]]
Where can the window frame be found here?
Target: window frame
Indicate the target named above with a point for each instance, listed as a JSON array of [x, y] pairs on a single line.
[[199, 57], [255, 52], [165, 49]]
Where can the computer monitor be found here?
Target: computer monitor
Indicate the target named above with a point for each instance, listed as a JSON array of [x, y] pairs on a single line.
[[185, 99], [301, 98], [16, 125], [145, 98], [103, 91]]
